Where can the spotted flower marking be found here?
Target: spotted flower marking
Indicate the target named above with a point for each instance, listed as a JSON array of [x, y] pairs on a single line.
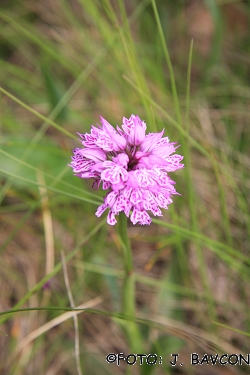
[[131, 165]]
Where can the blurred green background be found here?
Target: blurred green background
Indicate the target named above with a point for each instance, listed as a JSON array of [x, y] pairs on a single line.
[[180, 65]]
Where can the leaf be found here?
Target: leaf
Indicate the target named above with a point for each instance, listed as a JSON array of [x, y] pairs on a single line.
[[55, 92]]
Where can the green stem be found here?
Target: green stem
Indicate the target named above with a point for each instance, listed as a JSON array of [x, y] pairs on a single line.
[[128, 298], [126, 249]]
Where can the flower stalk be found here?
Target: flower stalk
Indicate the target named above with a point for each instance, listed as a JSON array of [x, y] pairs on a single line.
[[128, 297]]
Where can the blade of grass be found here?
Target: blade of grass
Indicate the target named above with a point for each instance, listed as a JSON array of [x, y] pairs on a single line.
[[191, 195], [225, 251], [169, 64], [171, 120], [232, 329], [34, 206], [49, 187], [170, 326], [130, 51], [56, 269], [58, 108], [39, 115], [45, 46], [55, 322], [47, 223], [72, 304], [54, 179]]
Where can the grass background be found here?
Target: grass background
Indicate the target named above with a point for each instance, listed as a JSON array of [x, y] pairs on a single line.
[[182, 66]]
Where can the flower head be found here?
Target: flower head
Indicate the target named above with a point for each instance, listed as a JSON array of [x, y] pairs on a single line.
[[132, 166]]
